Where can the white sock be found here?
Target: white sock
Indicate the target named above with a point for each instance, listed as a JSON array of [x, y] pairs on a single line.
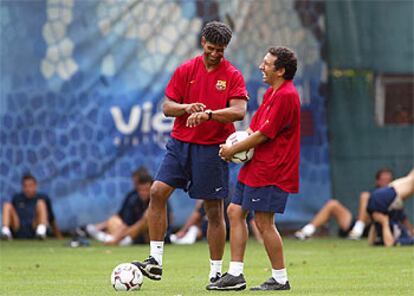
[[280, 275], [41, 230], [104, 237], [126, 241], [156, 250], [215, 267], [189, 238], [309, 229], [6, 231], [236, 268], [91, 230], [358, 228]]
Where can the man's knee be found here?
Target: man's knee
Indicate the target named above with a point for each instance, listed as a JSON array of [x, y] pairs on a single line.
[[235, 212], [159, 194], [264, 222], [7, 207], [41, 205], [333, 204], [215, 212]]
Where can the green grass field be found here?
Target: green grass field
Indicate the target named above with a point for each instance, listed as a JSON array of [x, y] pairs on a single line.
[[315, 267]]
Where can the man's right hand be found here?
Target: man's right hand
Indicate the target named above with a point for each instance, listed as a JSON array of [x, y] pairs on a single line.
[[194, 107]]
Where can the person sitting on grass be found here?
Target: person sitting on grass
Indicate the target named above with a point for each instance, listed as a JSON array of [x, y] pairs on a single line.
[[195, 228], [26, 216], [382, 206], [348, 226], [128, 225]]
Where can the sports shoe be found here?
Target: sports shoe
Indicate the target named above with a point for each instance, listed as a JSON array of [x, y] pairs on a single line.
[[228, 282], [150, 268], [271, 284], [6, 233], [300, 235], [353, 235], [4, 236], [216, 278]]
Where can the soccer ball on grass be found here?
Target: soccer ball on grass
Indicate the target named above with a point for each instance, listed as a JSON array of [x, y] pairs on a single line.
[[126, 277]]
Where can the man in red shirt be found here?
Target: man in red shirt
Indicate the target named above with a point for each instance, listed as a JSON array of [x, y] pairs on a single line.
[[205, 95], [265, 182]]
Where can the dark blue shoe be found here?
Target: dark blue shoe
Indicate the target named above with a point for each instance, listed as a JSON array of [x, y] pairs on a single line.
[[271, 285], [228, 282]]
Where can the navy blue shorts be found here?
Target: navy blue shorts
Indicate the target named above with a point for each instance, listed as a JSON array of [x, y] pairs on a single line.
[[261, 199], [26, 230], [195, 168], [381, 199]]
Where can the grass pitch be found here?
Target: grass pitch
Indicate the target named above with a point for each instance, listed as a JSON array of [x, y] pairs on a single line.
[[315, 267]]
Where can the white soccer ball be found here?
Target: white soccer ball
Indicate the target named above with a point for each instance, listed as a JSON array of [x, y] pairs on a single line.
[[126, 277], [243, 156]]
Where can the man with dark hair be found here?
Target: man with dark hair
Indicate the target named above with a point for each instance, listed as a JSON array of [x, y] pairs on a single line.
[[205, 95], [265, 182], [129, 224], [26, 216], [385, 205]]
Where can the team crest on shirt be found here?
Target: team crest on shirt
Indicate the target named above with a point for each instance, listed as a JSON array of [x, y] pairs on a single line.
[[221, 85]]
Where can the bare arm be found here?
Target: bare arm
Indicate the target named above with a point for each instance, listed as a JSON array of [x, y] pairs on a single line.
[[253, 140], [138, 227], [408, 225], [362, 209], [174, 109], [194, 219], [371, 235], [236, 111], [387, 236], [56, 230], [133, 231]]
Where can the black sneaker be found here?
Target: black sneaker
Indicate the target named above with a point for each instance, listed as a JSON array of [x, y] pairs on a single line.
[[81, 232], [271, 284], [215, 278], [228, 282], [150, 268]]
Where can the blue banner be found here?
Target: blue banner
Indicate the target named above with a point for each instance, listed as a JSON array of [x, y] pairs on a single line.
[[82, 84]]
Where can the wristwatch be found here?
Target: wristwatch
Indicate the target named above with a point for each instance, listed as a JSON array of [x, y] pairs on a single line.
[[209, 112]]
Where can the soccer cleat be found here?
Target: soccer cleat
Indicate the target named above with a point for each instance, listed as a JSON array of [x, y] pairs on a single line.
[[150, 268], [228, 282], [300, 235], [40, 236], [6, 233], [81, 232], [271, 285], [353, 235], [4, 236], [216, 278]]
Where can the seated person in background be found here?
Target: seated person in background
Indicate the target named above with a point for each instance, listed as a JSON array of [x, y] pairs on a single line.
[[384, 206], [398, 227], [26, 216], [118, 227], [195, 227], [348, 227]]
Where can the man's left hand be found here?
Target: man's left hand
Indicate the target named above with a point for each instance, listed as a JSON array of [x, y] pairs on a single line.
[[196, 119]]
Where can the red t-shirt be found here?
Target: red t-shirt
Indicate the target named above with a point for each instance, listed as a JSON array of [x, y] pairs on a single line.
[[192, 83], [276, 162]]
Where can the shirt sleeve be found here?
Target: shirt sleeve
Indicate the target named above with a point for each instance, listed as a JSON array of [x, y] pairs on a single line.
[[238, 87], [278, 117], [175, 87]]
